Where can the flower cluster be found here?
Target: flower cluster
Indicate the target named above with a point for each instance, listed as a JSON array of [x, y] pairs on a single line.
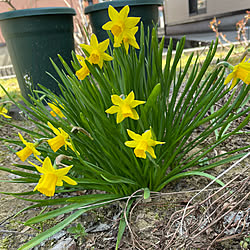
[[96, 56], [124, 106], [51, 177], [122, 27]]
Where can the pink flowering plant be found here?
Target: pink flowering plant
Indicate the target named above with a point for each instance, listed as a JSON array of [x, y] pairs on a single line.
[[126, 122]]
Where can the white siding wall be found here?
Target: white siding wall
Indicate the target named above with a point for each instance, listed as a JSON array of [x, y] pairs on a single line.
[[177, 11]]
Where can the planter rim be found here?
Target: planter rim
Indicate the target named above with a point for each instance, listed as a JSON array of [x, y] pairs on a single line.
[[120, 3], [36, 12]]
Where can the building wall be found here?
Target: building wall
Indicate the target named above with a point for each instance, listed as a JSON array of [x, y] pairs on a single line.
[[177, 11]]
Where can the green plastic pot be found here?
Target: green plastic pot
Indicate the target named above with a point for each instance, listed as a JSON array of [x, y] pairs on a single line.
[[146, 9], [33, 36]]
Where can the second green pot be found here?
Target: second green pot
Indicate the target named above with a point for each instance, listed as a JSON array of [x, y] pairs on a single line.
[[146, 9]]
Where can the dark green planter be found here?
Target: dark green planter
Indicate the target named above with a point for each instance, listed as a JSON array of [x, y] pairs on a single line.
[[146, 9], [32, 37]]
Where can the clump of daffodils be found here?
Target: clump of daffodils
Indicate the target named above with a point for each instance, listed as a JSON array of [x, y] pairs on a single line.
[[125, 122]]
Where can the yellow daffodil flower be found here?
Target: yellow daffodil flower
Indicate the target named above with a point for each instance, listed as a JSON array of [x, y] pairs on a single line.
[[84, 71], [121, 25], [96, 51], [4, 111], [55, 110], [124, 108], [28, 150], [51, 177], [142, 143], [60, 140], [129, 39], [240, 71]]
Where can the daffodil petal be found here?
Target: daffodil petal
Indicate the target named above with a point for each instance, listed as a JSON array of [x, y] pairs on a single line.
[[135, 103], [107, 26], [133, 135], [82, 73], [47, 165], [113, 13], [153, 143], [113, 110], [229, 78], [21, 138], [55, 130], [87, 48], [234, 82], [100, 64], [126, 46], [70, 145], [117, 100], [107, 57], [118, 40], [131, 144], [124, 12], [94, 41], [63, 171], [69, 180], [151, 152], [41, 170], [3, 112], [134, 115], [59, 182], [81, 59], [245, 66], [103, 45], [6, 116], [140, 153], [130, 97], [134, 44], [131, 22], [24, 153], [119, 117], [147, 135]]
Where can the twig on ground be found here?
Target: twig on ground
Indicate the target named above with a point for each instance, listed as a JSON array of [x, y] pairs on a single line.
[[218, 177]]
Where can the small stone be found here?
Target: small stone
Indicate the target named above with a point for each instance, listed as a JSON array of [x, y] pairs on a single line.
[[58, 235], [65, 244], [101, 227]]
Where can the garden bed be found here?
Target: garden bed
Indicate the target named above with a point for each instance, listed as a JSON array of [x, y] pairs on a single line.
[[153, 222]]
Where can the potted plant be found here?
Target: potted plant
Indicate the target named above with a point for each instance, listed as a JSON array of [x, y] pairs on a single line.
[[146, 9], [33, 36]]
